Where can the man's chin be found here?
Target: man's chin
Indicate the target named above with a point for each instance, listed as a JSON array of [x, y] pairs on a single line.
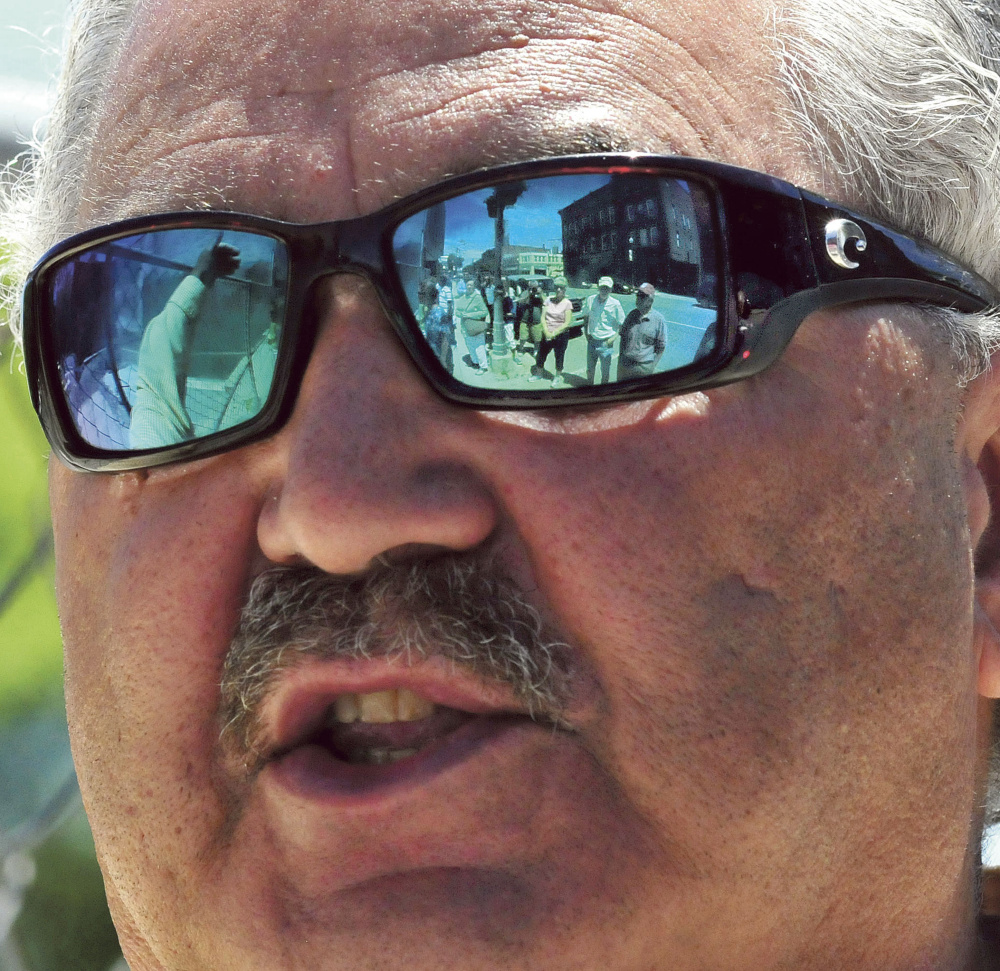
[[479, 853], [455, 917]]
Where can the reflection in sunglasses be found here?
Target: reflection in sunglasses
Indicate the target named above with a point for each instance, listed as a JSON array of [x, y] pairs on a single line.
[[571, 249]]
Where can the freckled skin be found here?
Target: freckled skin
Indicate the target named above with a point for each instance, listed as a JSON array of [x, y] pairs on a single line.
[[769, 587]]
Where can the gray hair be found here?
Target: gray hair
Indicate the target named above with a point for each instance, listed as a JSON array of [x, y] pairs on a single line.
[[897, 105]]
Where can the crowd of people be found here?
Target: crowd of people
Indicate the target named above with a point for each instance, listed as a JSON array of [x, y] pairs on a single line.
[[540, 322]]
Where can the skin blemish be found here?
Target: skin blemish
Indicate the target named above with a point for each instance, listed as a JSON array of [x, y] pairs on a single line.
[[889, 347], [694, 405]]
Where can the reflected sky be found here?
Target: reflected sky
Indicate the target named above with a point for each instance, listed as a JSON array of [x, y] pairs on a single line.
[[532, 221]]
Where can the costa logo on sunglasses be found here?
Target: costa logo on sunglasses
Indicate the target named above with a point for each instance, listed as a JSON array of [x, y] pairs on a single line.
[[839, 232]]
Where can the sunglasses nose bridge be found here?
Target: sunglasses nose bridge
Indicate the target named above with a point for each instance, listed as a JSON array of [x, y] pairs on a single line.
[[353, 246]]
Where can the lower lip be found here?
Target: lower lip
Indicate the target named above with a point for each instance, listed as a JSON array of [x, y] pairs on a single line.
[[312, 773]]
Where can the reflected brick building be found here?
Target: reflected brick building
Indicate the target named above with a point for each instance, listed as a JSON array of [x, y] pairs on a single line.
[[636, 231]]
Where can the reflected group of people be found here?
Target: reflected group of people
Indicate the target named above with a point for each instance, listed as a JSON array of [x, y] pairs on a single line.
[[540, 320]]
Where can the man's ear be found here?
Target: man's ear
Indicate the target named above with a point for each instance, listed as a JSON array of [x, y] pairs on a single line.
[[978, 442]]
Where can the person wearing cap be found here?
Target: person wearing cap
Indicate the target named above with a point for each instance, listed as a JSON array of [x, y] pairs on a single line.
[[644, 337], [604, 318]]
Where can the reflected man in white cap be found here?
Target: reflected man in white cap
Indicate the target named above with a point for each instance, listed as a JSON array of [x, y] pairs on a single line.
[[605, 316]]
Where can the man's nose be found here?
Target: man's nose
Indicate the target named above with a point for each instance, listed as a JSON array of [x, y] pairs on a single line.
[[372, 462]]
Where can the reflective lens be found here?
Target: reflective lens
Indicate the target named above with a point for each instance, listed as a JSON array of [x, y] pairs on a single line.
[[151, 356], [600, 279]]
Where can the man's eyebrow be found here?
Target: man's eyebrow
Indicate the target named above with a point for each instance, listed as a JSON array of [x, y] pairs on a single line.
[[580, 129], [153, 198], [589, 142], [600, 136], [568, 140]]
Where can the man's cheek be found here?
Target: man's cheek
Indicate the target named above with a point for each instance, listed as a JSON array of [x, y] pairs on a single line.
[[84, 532], [147, 623]]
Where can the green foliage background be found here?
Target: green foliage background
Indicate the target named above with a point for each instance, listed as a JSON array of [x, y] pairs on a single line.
[[64, 925]]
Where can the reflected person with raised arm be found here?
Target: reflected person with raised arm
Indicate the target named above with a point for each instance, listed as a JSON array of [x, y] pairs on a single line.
[[159, 416]]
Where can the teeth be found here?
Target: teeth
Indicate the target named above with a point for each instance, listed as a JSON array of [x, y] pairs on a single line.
[[381, 707], [378, 707], [411, 707], [345, 709], [401, 753]]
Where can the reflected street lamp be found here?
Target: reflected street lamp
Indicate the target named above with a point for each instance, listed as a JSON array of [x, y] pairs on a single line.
[[501, 359]]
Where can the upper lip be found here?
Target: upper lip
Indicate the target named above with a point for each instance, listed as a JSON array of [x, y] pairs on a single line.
[[297, 704]]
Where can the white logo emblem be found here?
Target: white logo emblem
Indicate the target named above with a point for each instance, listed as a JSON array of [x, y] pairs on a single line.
[[838, 232]]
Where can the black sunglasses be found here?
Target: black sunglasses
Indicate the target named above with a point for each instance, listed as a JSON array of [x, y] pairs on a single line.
[[171, 337]]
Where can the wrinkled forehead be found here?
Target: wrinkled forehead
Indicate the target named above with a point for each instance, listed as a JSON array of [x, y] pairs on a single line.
[[324, 110]]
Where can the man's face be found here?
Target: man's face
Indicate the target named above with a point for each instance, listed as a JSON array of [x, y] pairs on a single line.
[[764, 592]]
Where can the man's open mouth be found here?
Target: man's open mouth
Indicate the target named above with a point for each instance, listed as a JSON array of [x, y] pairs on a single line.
[[349, 741], [382, 727]]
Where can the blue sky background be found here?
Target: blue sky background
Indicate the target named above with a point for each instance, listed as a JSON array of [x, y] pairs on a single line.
[[28, 34], [533, 221]]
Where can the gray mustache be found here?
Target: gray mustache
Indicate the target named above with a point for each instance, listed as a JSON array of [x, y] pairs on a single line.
[[457, 608]]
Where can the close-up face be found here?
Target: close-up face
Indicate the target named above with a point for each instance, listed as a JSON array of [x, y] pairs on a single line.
[[734, 670]]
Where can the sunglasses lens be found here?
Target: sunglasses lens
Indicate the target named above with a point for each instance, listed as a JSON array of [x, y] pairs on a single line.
[[600, 278], [149, 355]]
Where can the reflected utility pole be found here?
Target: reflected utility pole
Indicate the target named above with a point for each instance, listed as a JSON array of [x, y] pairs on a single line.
[[501, 360]]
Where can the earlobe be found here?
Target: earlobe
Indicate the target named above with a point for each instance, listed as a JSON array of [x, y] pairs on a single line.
[[981, 486], [988, 649], [979, 444]]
